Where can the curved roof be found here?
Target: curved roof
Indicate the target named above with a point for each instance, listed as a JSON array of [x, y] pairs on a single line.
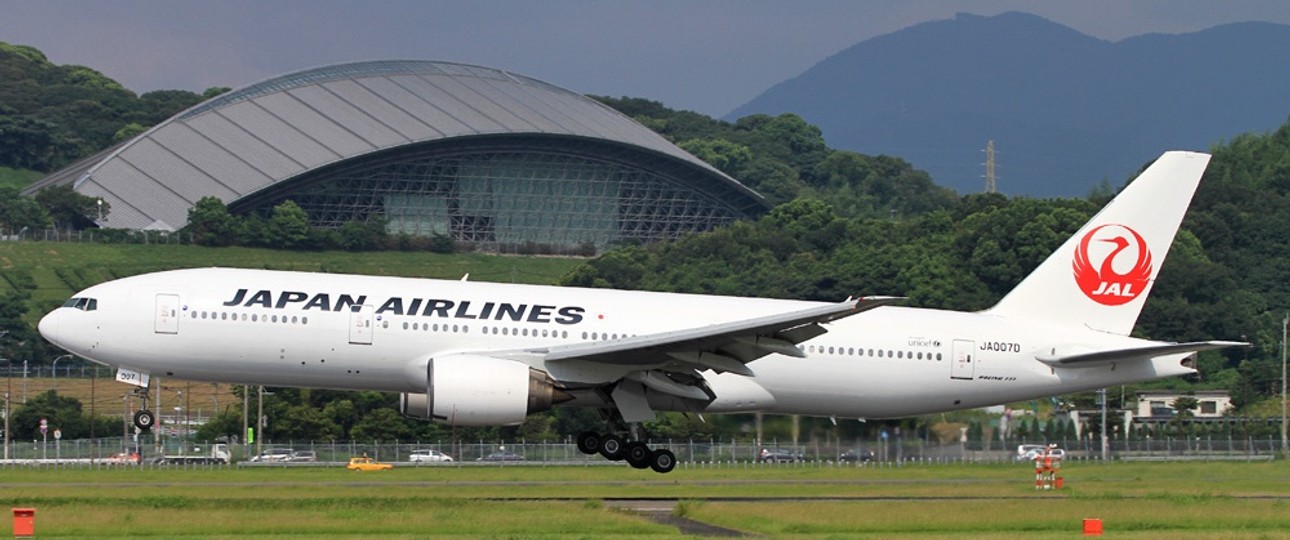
[[248, 140]]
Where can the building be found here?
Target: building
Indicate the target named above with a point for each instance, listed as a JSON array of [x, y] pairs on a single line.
[[488, 157], [1159, 404]]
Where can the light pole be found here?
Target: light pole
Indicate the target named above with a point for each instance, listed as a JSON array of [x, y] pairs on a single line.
[[55, 369]]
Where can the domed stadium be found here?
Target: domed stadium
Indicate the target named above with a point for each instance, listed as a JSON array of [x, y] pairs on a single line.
[[488, 157]]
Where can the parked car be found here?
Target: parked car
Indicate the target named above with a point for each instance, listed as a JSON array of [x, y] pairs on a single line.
[[302, 456], [367, 464], [502, 455], [779, 455], [856, 454], [426, 455], [270, 455]]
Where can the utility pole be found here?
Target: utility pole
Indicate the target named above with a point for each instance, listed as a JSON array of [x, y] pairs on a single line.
[[259, 423], [246, 425], [1106, 443], [1285, 446]]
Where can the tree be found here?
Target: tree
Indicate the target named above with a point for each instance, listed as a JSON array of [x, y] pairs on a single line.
[[71, 210], [1184, 407], [362, 235], [127, 132], [18, 213], [211, 224], [63, 413], [381, 425], [304, 422], [225, 425], [288, 227]]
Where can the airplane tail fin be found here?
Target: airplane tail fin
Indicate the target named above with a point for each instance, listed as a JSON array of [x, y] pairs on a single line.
[[1101, 276]]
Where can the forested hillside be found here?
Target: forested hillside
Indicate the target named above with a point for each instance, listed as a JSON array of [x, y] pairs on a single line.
[[1226, 276], [51, 115]]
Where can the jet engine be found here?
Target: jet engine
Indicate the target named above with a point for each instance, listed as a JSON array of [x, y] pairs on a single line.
[[469, 390]]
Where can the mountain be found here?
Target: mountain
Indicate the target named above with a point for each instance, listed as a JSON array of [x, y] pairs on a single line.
[[1066, 110]]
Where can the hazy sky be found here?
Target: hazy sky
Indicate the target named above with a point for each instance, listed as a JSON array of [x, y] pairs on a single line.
[[706, 56]]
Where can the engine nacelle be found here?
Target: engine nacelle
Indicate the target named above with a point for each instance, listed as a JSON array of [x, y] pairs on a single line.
[[468, 390]]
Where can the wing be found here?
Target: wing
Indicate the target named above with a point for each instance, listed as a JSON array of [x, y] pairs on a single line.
[[1102, 358], [624, 372], [720, 347]]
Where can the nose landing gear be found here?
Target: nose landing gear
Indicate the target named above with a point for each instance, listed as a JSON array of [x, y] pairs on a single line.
[[144, 419]]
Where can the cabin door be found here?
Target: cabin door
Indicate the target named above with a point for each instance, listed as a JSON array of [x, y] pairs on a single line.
[[167, 321], [963, 361]]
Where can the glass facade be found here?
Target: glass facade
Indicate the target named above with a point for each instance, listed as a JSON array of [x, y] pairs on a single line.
[[499, 198]]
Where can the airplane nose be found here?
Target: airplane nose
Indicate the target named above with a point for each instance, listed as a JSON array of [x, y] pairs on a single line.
[[49, 326]]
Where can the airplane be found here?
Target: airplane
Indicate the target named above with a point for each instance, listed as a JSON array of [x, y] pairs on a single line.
[[479, 354]]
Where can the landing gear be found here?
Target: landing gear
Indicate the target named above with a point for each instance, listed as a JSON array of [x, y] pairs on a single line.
[[144, 419], [636, 453]]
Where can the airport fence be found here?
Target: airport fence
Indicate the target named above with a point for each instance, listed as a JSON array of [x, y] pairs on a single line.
[[118, 451], [101, 236]]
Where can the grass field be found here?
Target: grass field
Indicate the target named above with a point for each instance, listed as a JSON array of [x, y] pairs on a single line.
[[58, 269], [202, 398], [1171, 500]]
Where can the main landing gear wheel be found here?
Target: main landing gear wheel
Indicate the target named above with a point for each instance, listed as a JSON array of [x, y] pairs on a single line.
[[662, 461], [589, 442], [638, 455], [144, 420], [611, 446]]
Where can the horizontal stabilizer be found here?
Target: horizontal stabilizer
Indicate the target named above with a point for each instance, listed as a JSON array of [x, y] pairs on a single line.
[[1101, 358]]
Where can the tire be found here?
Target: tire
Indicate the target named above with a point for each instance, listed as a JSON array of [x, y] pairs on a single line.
[[638, 455], [589, 442], [144, 420], [612, 447], [662, 461]]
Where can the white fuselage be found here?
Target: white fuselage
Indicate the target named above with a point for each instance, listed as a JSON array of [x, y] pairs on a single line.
[[301, 330]]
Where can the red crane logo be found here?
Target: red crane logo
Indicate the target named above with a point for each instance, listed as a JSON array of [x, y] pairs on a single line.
[[1103, 283]]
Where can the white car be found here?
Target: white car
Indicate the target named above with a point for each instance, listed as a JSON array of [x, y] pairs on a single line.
[[272, 455], [429, 456]]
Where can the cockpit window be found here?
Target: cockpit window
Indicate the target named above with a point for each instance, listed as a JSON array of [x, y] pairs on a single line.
[[83, 304]]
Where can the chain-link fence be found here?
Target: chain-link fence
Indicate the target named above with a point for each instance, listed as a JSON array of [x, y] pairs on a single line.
[[120, 451]]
